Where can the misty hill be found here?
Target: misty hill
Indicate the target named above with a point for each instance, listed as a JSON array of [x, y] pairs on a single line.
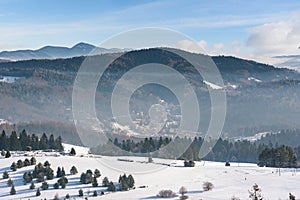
[[52, 52], [259, 97]]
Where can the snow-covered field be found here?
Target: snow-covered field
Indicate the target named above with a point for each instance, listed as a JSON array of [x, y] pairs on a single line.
[[235, 180]]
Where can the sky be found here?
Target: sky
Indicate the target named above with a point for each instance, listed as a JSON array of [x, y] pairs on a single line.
[[257, 29]]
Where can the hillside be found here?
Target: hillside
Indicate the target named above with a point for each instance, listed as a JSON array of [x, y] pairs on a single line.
[[235, 180], [259, 97]]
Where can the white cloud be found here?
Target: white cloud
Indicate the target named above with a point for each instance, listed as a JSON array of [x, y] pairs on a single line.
[[273, 39]]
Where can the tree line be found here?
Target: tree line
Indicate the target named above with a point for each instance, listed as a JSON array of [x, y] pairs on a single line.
[[224, 150], [27, 142]]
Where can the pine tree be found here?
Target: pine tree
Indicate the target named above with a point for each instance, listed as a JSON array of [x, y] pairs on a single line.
[[7, 155], [95, 194], [47, 164], [97, 173], [5, 175], [26, 162], [111, 187], [83, 178], [40, 177], [130, 181], [38, 192], [2, 152], [63, 182], [63, 173], [32, 161], [10, 182], [27, 177], [14, 142], [80, 193], [32, 186], [105, 182], [51, 142], [56, 186], [58, 172], [45, 186], [72, 152], [43, 143], [12, 190], [182, 191], [49, 173], [3, 141], [73, 170], [20, 164], [95, 182], [13, 167], [24, 142]]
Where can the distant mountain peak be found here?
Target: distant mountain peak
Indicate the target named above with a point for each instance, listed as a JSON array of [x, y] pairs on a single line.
[[83, 45], [53, 52]]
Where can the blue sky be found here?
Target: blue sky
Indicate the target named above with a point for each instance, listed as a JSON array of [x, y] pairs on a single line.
[[241, 28]]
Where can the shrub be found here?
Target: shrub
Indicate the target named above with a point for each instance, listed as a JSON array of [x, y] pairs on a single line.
[[235, 198], [72, 152], [189, 163], [166, 194], [32, 161], [80, 193], [95, 182], [26, 162], [56, 186], [13, 167], [111, 187], [182, 190], [255, 193], [40, 177], [10, 183], [5, 175], [105, 182], [12, 190], [38, 192], [3, 153], [27, 177], [97, 173], [73, 170], [67, 196], [32, 186], [95, 193], [7, 155], [292, 197], [45, 185], [207, 186], [20, 164]]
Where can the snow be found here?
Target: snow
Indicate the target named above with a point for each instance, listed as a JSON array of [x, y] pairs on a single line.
[[78, 149], [3, 121], [254, 79], [213, 86], [235, 180], [255, 137], [8, 79]]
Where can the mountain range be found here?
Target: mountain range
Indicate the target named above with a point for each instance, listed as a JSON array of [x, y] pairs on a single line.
[[38, 96], [53, 52]]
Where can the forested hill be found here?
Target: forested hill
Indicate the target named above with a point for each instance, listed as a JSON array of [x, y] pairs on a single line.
[[259, 97]]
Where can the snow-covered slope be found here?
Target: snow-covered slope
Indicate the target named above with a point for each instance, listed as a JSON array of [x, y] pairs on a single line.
[[228, 181]]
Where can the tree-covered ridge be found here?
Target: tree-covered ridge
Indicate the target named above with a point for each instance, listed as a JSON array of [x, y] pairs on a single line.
[[224, 150], [50, 83], [25, 142]]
